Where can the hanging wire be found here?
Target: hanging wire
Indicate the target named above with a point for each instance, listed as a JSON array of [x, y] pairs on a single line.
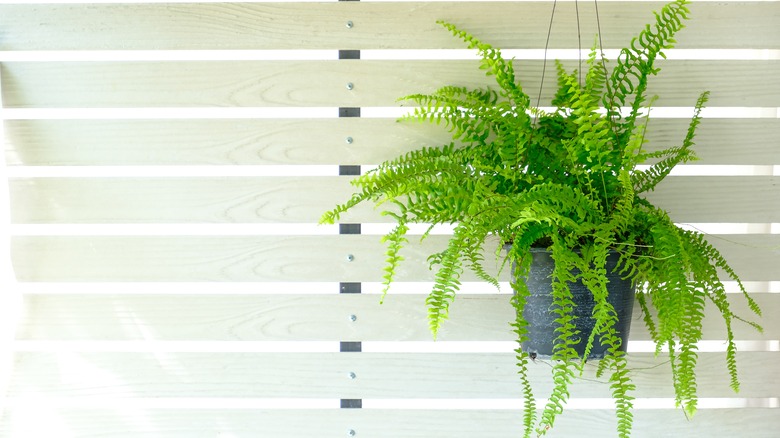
[[547, 45], [609, 109], [544, 61], [579, 43]]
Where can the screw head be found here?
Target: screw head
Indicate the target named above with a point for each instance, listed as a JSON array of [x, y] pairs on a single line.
[[350, 85], [353, 318], [350, 257], [351, 432], [352, 375], [349, 140], [350, 24]]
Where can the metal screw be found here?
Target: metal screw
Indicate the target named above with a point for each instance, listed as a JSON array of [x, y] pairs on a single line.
[[351, 432], [349, 140], [350, 85], [352, 375], [350, 257], [350, 24], [353, 318]]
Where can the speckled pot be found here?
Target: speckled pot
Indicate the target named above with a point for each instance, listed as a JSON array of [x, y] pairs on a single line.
[[541, 330]]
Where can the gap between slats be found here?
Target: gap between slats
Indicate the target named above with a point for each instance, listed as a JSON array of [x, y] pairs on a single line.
[[295, 288], [370, 112], [159, 171], [299, 404], [303, 347], [301, 229], [369, 54]]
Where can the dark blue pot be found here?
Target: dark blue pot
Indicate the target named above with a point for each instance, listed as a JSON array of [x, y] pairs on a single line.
[[541, 329]]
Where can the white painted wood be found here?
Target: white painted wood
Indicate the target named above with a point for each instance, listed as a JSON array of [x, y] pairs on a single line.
[[95, 376], [221, 387], [141, 420], [375, 25], [305, 199], [10, 299], [323, 83], [315, 142], [280, 258], [295, 317]]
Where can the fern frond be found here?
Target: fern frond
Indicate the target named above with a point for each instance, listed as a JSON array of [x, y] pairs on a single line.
[[565, 180], [475, 259], [447, 280], [494, 64], [636, 62], [621, 387], [707, 260], [395, 240], [472, 116], [567, 335], [648, 179], [520, 328]]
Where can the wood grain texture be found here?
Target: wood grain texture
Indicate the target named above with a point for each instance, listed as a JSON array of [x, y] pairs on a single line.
[[376, 25], [323, 83], [291, 317], [198, 200], [315, 142], [81, 375], [375, 423], [304, 199], [67, 392], [754, 257]]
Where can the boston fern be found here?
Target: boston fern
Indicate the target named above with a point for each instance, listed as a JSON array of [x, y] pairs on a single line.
[[566, 180]]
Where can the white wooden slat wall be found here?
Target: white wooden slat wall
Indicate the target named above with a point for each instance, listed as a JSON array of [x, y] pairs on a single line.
[[166, 165]]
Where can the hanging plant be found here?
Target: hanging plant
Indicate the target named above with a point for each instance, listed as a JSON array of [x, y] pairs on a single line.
[[566, 181]]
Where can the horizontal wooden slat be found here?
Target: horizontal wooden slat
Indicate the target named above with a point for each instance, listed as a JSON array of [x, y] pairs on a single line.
[[755, 257], [300, 141], [304, 199], [323, 83], [310, 318], [376, 423], [123, 200], [377, 375], [719, 199], [323, 26]]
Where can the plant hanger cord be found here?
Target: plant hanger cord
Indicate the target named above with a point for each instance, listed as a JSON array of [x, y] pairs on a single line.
[[579, 42], [610, 119], [544, 59], [579, 63], [579, 48], [544, 70]]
